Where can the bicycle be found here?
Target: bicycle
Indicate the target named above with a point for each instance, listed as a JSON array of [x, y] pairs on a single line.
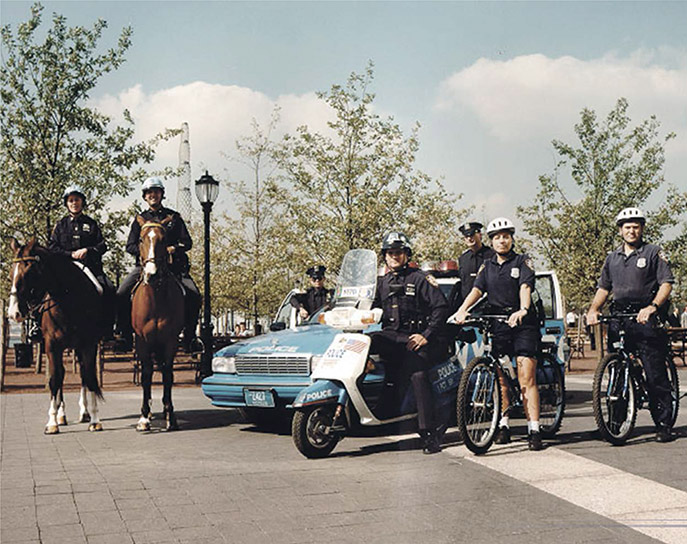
[[478, 407], [620, 389]]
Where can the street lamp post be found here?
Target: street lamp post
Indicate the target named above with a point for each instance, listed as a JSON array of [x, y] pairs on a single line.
[[207, 189]]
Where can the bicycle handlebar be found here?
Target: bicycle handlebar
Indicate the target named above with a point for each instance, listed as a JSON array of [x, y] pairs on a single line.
[[611, 317]]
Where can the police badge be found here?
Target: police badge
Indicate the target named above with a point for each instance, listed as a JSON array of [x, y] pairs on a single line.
[[641, 262], [515, 273]]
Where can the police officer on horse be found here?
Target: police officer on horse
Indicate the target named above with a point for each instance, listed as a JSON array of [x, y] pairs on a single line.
[[178, 242], [79, 237]]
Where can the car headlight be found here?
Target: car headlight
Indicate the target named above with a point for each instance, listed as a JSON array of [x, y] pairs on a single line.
[[226, 365], [314, 362]]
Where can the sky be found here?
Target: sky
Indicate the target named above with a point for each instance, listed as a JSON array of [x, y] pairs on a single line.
[[490, 83]]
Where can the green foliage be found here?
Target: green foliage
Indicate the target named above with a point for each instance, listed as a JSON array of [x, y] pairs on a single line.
[[50, 137], [614, 166], [346, 188]]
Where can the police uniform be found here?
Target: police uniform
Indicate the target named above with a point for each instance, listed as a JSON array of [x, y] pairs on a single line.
[[313, 299], [501, 282], [83, 232], [634, 280], [468, 265], [176, 235], [411, 303]]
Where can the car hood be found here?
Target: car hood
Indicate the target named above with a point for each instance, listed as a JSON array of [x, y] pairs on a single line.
[[314, 339]]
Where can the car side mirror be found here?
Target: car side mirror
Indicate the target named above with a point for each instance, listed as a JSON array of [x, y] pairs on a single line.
[[277, 326]]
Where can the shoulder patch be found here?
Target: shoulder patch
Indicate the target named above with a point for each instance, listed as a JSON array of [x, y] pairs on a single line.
[[529, 264], [662, 256], [481, 267], [432, 280]]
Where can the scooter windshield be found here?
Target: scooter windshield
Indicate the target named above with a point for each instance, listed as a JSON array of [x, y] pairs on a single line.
[[357, 280]]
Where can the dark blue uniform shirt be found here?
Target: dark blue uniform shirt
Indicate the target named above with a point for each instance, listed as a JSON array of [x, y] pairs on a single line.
[[312, 300], [411, 303], [72, 233], [468, 265], [502, 282], [176, 235], [635, 278]]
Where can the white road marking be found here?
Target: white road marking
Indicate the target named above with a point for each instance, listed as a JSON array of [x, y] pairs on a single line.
[[654, 509]]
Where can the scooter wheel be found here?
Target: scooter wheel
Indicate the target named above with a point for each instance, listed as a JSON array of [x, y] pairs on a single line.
[[311, 431]]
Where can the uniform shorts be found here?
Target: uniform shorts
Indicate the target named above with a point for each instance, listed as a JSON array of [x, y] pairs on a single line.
[[520, 341]]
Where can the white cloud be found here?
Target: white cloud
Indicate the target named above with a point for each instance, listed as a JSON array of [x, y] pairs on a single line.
[[532, 95], [217, 116]]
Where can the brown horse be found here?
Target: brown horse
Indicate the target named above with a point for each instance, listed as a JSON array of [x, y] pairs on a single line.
[[71, 311], [157, 315]]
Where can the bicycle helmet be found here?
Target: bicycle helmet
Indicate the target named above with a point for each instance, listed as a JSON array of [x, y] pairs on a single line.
[[500, 224], [152, 183], [74, 190], [396, 240], [630, 214]]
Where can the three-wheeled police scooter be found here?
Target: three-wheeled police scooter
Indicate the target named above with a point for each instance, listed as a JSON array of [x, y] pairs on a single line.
[[348, 388]]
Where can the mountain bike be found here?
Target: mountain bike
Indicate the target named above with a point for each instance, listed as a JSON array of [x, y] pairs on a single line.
[[620, 389], [479, 400]]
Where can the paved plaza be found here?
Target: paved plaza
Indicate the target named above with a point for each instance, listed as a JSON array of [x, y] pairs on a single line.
[[220, 480]]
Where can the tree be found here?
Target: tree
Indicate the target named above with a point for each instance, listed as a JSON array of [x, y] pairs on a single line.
[[615, 166], [50, 137], [345, 189]]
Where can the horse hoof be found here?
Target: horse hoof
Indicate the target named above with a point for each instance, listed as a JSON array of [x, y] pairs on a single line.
[[52, 429], [172, 426], [85, 418], [143, 427], [62, 420], [95, 427]]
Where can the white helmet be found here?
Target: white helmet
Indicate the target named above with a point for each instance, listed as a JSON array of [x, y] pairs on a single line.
[[630, 214], [74, 190], [500, 224], [152, 183]]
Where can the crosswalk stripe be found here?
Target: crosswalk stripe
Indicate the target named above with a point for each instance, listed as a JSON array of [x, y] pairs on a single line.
[[651, 508]]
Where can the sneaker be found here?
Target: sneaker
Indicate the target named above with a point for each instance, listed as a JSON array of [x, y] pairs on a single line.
[[430, 443], [502, 436], [534, 441], [664, 434]]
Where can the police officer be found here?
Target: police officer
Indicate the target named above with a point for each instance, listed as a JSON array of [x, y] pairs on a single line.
[[79, 237], [411, 339], [179, 242], [469, 262], [315, 296], [640, 279], [508, 279]]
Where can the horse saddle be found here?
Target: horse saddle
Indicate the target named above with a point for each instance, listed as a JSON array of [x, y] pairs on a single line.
[[90, 276]]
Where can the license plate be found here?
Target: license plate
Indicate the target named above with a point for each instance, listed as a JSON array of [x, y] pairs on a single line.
[[259, 397]]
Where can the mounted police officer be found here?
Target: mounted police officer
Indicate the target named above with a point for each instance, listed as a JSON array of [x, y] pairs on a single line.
[[641, 281], [315, 296], [79, 237], [508, 279], [411, 339], [178, 243]]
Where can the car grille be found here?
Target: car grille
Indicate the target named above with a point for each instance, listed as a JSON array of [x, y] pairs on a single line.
[[273, 364]]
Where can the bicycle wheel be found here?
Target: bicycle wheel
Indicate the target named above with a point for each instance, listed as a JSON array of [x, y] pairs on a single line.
[[478, 406], [551, 385], [614, 400], [674, 388]]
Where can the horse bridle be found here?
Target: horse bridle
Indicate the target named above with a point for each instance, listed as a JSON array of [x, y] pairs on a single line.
[[148, 225], [32, 306]]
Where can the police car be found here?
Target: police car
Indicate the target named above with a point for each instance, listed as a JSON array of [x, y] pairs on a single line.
[[266, 373]]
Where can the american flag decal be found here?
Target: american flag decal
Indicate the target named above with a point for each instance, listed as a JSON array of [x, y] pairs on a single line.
[[355, 345]]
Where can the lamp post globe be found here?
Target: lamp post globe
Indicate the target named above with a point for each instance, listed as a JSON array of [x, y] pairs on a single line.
[[207, 190]]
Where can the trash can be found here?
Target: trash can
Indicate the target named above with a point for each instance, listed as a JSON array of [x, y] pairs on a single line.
[[23, 355]]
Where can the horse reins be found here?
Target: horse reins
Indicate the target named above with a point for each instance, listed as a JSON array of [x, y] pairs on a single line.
[[39, 306]]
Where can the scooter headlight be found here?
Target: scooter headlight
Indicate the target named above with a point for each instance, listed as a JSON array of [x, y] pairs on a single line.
[[226, 365], [315, 361]]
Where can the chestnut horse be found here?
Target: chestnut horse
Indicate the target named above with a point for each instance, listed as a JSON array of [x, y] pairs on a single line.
[[157, 316], [72, 316]]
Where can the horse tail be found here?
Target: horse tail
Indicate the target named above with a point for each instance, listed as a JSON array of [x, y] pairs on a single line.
[[91, 383]]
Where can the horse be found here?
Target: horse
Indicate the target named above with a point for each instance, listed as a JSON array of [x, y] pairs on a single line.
[[71, 316], [157, 316]]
